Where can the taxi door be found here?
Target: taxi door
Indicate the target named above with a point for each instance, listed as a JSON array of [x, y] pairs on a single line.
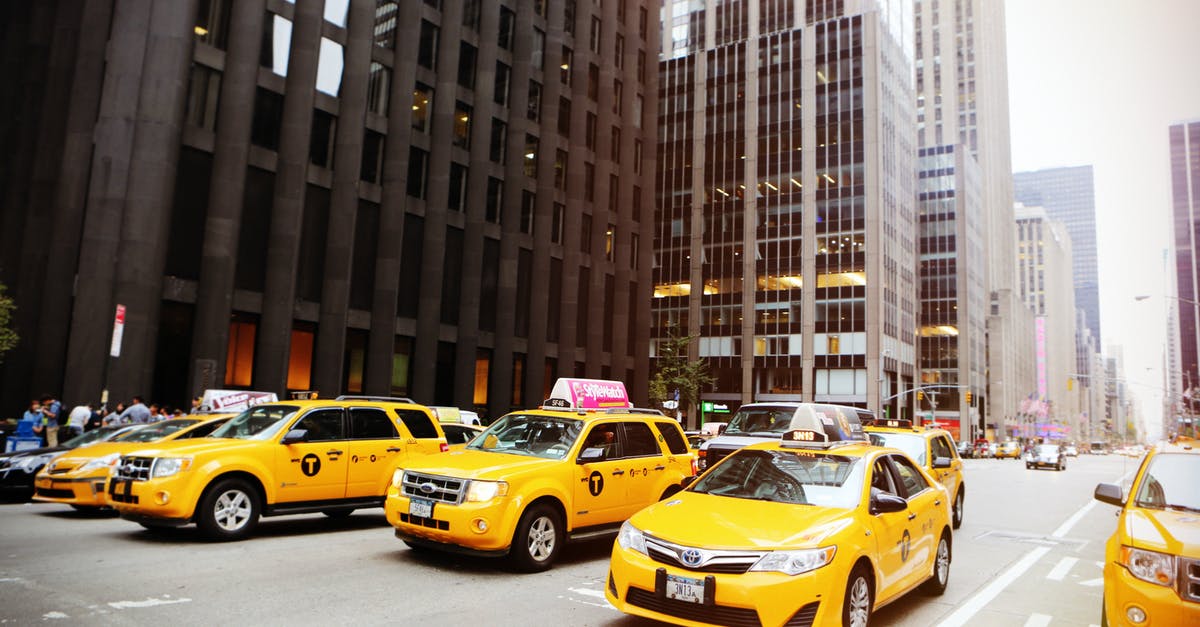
[[315, 469], [892, 533], [645, 467], [601, 487], [375, 446], [923, 505], [940, 446]]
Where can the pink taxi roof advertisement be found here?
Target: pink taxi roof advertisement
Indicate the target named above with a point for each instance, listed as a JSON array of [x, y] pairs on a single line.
[[591, 393]]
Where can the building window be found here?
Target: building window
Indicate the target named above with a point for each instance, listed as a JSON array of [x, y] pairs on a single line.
[[637, 203], [637, 110], [422, 106], [385, 23], [300, 356], [642, 22], [212, 22], [457, 199], [637, 156], [329, 67], [499, 144], [617, 92], [633, 252], [531, 153], [466, 65], [452, 264], [569, 17], [589, 131], [641, 66], [534, 108], [500, 91], [594, 36], [564, 117], [615, 146], [470, 17], [619, 52], [507, 21], [489, 285], [495, 199], [613, 192], [524, 293], [585, 233], [320, 144], [268, 112], [427, 46], [379, 88], [528, 199], [483, 362], [593, 86], [462, 125], [537, 56], [568, 60], [560, 169], [556, 223], [589, 181], [518, 379], [418, 172], [204, 92], [372, 156], [276, 44], [239, 354], [401, 365], [610, 242]]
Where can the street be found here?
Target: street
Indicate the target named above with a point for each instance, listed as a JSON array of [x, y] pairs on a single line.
[[1029, 553]]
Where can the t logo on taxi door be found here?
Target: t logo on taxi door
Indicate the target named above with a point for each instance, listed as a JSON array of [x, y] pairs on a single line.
[[595, 483], [310, 465]]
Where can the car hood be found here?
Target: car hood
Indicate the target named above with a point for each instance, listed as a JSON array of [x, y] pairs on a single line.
[[476, 464], [195, 446], [722, 522], [1165, 531], [739, 441]]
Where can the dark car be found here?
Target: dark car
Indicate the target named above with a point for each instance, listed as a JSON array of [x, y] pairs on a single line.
[[18, 468]]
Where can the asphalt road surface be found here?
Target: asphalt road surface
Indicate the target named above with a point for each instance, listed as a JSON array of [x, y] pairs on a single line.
[[1029, 553]]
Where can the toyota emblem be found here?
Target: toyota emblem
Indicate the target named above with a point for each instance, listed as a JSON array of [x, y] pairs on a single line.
[[427, 488], [691, 557]]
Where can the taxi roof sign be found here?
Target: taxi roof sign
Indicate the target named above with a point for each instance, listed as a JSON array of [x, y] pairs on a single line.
[[588, 394], [804, 435]]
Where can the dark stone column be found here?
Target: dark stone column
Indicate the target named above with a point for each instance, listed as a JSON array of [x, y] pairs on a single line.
[[339, 251], [214, 301], [70, 193], [92, 314], [145, 229], [287, 213]]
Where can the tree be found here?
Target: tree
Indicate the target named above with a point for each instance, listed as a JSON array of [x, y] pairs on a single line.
[[8, 337], [673, 371]]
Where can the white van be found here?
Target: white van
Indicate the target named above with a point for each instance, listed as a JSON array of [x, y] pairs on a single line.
[[758, 422]]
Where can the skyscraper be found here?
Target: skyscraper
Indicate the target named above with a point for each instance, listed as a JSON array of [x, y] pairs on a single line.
[[785, 233], [439, 199], [1185, 213]]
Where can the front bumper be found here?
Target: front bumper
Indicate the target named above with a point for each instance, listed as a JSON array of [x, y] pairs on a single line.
[[1162, 605], [1041, 463], [456, 528], [636, 585], [85, 491], [160, 500]]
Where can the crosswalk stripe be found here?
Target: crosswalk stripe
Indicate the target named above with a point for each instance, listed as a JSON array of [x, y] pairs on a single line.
[[1037, 620], [1064, 566]]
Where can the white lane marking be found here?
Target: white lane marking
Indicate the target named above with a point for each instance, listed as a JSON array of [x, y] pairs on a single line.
[[1064, 566], [1037, 620], [1093, 583], [587, 593], [595, 594], [48, 615], [1066, 526], [985, 596], [151, 602]]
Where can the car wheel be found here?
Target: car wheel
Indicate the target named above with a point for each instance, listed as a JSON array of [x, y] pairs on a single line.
[[228, 511], [87, 509], [958, 506], [1103, 612], [337, 513], [856, 608], [936, 585], [1028, 466], [538, 539]]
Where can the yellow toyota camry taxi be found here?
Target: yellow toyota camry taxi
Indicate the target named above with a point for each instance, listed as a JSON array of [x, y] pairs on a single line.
[[791, 532], [932, 449], [78, 477], [1152, 562], [575, 468]]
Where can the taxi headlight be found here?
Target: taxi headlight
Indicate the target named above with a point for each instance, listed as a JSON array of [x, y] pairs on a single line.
[[632, 538], [1149, 566], [101, 462], [167, 466], [482, 491], [794, 562], [397, 477]]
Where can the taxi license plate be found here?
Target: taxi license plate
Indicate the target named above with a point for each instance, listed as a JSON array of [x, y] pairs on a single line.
[[420, 508], [685, 589]]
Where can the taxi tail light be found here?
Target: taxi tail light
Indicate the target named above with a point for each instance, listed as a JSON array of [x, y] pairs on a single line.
[[695, 466], [443, 447]]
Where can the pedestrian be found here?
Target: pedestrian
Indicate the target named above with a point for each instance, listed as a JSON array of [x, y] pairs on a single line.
[[51, 410], [197, 404], [95, 419], [77, 420], [32, 424], [112, 417], [137, 413]]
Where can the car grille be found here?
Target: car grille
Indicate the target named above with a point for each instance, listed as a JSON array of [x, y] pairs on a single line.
[[1190, 580], [440, 525], [62, 467], [704, 560], [804, 617], [714, 614], [433, 487], [133, 468]]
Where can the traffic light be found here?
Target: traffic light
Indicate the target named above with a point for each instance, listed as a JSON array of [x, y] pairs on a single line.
[[920, 396], [1070, 384], [968, 398]]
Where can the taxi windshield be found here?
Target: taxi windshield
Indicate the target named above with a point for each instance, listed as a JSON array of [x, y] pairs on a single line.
[[910, 443], [1170, 483], [156, 431], [550, 437], [257, 423], [760, 420], [95, 435], [797, 477]]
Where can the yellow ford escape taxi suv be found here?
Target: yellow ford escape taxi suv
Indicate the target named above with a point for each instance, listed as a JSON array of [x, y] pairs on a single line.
[[933, 449], [78, 477], [791, 532], [1152, 562], [574, 468], [329, 456]]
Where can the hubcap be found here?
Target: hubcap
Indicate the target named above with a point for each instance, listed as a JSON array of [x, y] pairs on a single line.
[[958, 509], [541, 538], [943, 562], [860, 603], [232, 510]]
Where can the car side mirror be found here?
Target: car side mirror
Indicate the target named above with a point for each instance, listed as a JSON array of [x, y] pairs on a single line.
[[591, 455], [885, 503], [1109, 493], [941, 462], [295, 436]]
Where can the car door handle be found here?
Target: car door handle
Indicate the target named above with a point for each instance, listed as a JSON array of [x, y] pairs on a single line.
[[912, 516], [937, 502], [618, 472], [660, 467], [393, 449], [333, 452]]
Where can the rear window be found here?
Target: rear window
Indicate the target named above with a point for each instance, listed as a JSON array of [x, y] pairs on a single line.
[[640, 440], [371, 424], [674, 439], [419, 424]]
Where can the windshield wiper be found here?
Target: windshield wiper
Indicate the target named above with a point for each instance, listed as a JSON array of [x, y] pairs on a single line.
[[1183, 508]]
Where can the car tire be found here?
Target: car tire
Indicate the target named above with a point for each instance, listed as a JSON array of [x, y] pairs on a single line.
[[86, 509], [1103, 612], [1028, 466], [956, 509], [936, 585], [338, 514], [859, 599], [228, 511], [538, 539]]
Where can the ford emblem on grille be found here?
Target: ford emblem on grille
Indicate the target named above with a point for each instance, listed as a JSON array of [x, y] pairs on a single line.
[[427, 488], [691, 557]]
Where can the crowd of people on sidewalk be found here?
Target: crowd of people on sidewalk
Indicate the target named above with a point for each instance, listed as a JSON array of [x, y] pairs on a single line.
[[48, 419]]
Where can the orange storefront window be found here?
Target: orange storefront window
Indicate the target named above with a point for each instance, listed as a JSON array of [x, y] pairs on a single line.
[[300, 360], [239, 359]]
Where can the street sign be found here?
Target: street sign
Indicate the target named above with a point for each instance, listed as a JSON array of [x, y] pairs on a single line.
[[118, 332], [670, 404]]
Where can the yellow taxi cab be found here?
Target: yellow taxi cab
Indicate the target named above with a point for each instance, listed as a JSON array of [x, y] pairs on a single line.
[[792, 532], [1009, 450], [459, 434], [926, 446], [1152, 562], [573, 469], [78, 477], [292, 457]]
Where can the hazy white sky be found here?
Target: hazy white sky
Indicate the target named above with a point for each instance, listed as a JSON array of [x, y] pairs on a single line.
[[1098, 82]]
